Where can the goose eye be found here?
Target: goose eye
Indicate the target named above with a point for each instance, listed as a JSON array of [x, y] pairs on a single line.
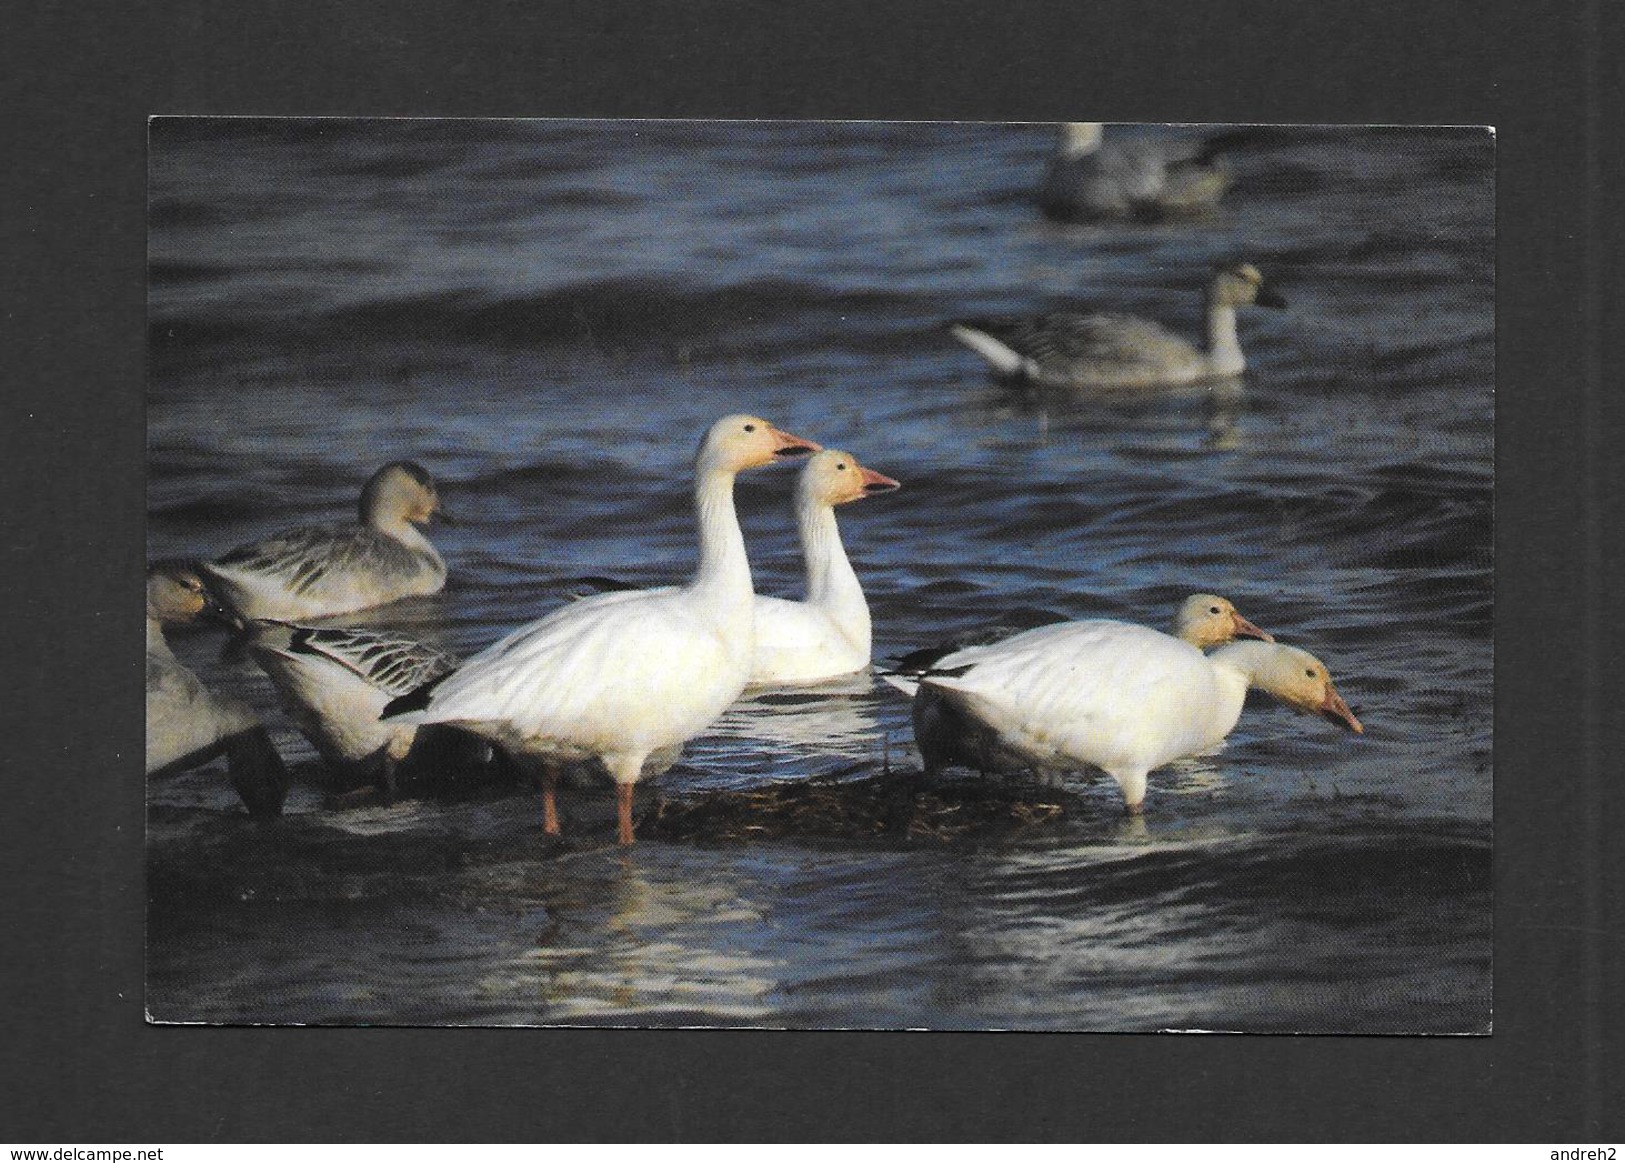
[[1213, 609], [1309, 673], [841, 467], [750, 428]]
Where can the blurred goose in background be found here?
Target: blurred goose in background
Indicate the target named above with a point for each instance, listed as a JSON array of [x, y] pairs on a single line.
[[321, 570], [1097, 693], [1089, 179], [623, 679], [1068, 350], [336, 681], [187, 724], [827, 634]]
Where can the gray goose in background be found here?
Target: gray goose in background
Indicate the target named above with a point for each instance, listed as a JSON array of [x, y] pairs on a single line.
[[1090, 179], [318, 571], [1068, 350]]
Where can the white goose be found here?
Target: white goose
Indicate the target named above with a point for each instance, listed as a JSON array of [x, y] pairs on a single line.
[[623, 678], [336, 681], [827, 634], [1112, 695], [1067, 350], [1089, 179], [189, 725], [334, 569]]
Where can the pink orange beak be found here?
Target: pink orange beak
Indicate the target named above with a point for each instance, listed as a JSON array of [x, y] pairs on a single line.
[[1333, 707], [874, 482], [785, 444], [1242, 628]]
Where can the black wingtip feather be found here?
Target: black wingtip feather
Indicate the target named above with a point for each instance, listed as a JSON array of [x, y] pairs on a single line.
[[414, 700], [917, 662], [594, 583]]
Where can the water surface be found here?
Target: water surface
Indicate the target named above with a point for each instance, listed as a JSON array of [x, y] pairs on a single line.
[[547, 315]]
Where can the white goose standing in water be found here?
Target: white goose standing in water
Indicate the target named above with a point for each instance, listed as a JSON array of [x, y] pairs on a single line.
[[828, 633], [1090, 179], [1068, 350], [1097, 693], [624, 678], [321, 570], [189, 725]]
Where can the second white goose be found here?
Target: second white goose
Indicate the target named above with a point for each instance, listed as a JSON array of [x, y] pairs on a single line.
[[827, 634], [619, 678]]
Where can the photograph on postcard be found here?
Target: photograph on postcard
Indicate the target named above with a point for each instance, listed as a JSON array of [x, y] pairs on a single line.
[[820, 575]]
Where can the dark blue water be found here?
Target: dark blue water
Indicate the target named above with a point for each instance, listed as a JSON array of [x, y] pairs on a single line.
[[547, 314]]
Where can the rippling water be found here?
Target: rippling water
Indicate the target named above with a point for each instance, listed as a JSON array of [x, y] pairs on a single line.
[[547, 314]]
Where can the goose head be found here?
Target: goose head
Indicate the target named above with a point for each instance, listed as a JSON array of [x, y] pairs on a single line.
[[1242, 285], [1206, 620], [1301, 681], [1080, 137], [736, 443], [400, 491], [833, 477], [176, 593]]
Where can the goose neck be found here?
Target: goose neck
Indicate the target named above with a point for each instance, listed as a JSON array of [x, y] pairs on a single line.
[[1243, 661], [1223, 347], [830, 577], [1236, 666], [724, 572], [408, 534]]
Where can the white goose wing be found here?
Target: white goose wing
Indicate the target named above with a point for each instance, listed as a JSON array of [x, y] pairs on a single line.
[[641, 664]]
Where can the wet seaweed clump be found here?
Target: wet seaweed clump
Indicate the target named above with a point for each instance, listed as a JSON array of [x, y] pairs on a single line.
[[888, 807]]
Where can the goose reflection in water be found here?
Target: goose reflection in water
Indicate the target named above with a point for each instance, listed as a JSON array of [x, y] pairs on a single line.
[[1212, 413], [835, 718], [629, 937]]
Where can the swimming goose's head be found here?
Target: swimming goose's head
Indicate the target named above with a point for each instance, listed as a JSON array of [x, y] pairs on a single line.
[[735, 443], [400, 491], [833, 477], [1242, 285], [176, 593], [1080, 137], [1296, 677], [1206, 620]]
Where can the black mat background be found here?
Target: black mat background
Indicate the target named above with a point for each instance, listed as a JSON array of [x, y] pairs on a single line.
[[78, 81]]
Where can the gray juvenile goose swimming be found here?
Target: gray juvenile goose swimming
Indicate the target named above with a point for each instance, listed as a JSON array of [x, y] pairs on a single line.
[[1090, 179], [1068, 350], [322, 570], [187, 724]]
